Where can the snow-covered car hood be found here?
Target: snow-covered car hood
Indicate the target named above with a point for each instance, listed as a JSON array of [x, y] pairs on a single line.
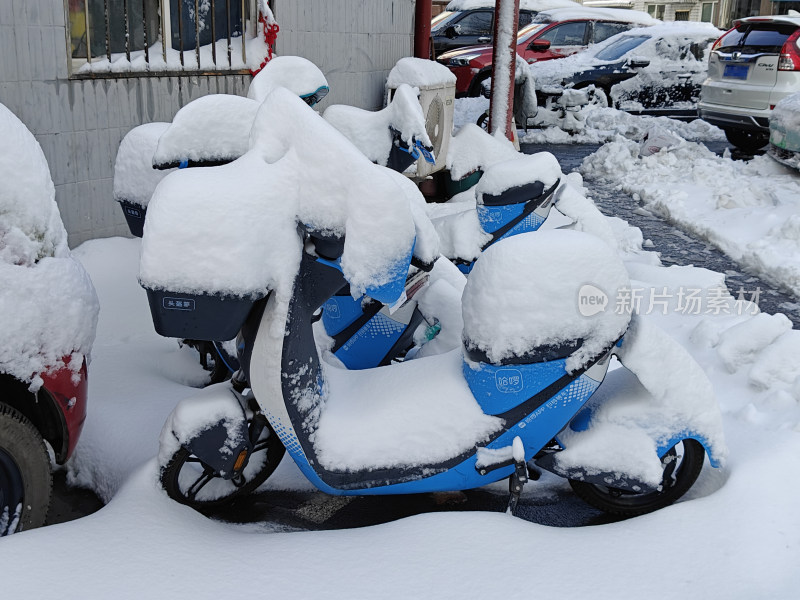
[[557, 71]]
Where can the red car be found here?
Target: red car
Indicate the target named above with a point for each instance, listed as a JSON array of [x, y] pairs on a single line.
[[48, 317], [552, 34]]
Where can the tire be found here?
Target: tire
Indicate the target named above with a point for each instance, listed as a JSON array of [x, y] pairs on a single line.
[[184, 470], [747, 141], [682, 465], [483, 121], [25, 478], [475, 87]]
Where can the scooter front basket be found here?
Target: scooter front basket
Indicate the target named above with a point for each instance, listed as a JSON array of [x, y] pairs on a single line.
[[198, 316], [134, 215]]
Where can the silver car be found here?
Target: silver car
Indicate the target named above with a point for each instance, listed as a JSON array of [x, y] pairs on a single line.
[[751, 68]]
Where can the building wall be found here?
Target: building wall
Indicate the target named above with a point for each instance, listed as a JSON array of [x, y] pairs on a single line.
[[80, 123], [354, 42]]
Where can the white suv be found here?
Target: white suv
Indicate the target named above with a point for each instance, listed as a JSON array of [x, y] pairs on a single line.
[[751, 68]]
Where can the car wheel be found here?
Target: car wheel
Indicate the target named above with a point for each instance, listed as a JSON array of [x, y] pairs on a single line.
[[748, 141], [476, 87], [25, 480]]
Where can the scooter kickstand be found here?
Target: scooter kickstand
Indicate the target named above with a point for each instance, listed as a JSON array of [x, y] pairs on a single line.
[[515, 484]]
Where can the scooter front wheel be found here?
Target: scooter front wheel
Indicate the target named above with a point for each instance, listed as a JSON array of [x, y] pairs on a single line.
[[682, 465], [190, 481]]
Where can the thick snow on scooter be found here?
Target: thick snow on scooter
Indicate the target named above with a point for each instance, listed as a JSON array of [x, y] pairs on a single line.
[[508, 399]]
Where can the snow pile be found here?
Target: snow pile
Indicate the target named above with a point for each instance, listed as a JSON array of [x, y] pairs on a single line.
[[419, 73], [371, 132], [135, 179], [48, 304], [748, 210], [213, 128], [295, 73], [543, 301], [247, 211], [523, 4]]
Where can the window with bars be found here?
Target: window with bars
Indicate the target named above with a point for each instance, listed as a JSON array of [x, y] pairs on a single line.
[[126, 37]]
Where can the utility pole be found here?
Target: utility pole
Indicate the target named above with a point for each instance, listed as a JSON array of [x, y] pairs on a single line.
[[422, 29], [504, 58]]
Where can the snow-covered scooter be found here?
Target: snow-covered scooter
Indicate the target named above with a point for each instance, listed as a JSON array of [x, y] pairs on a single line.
[[514, 397]]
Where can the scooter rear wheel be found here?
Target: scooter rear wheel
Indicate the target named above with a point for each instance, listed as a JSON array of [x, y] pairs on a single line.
[[682, 465], [190, 481]]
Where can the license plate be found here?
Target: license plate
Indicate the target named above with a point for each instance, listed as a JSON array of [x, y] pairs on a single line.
[[735, 71]]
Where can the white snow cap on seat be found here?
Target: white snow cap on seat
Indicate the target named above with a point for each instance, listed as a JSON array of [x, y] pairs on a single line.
[[135, 179], [212, 128], [534, 289], [525, 169], [295, 73]]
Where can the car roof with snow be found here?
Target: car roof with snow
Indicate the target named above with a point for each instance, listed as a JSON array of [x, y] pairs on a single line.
[[536, 5], [584, 12]]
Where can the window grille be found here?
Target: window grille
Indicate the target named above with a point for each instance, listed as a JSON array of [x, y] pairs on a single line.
[[112, 38]]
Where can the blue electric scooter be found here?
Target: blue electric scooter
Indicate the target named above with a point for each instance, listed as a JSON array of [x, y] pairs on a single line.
[[529, 397]]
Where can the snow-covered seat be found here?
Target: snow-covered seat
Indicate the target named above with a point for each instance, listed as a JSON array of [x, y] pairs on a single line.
[[515, 196], [558, 301], [135, 179]]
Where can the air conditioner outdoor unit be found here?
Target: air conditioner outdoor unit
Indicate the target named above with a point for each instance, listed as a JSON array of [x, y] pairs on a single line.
[[438, 104]]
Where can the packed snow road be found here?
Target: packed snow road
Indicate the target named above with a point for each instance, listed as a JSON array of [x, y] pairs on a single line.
[[675, 246]]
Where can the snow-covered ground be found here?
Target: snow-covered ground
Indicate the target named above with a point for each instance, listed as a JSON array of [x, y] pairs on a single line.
[[734, 536], [748, 209]]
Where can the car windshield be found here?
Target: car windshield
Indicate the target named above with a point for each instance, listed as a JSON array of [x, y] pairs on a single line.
[[622, 46], [526, 33], [766, 38], [441, 21]]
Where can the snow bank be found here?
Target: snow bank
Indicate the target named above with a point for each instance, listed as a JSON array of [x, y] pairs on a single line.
[[295, 73], [543, 302], [371, 132], [247, 211], [213, 128], [747, 209], [48, 306], [135, 179], [419, 73]]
